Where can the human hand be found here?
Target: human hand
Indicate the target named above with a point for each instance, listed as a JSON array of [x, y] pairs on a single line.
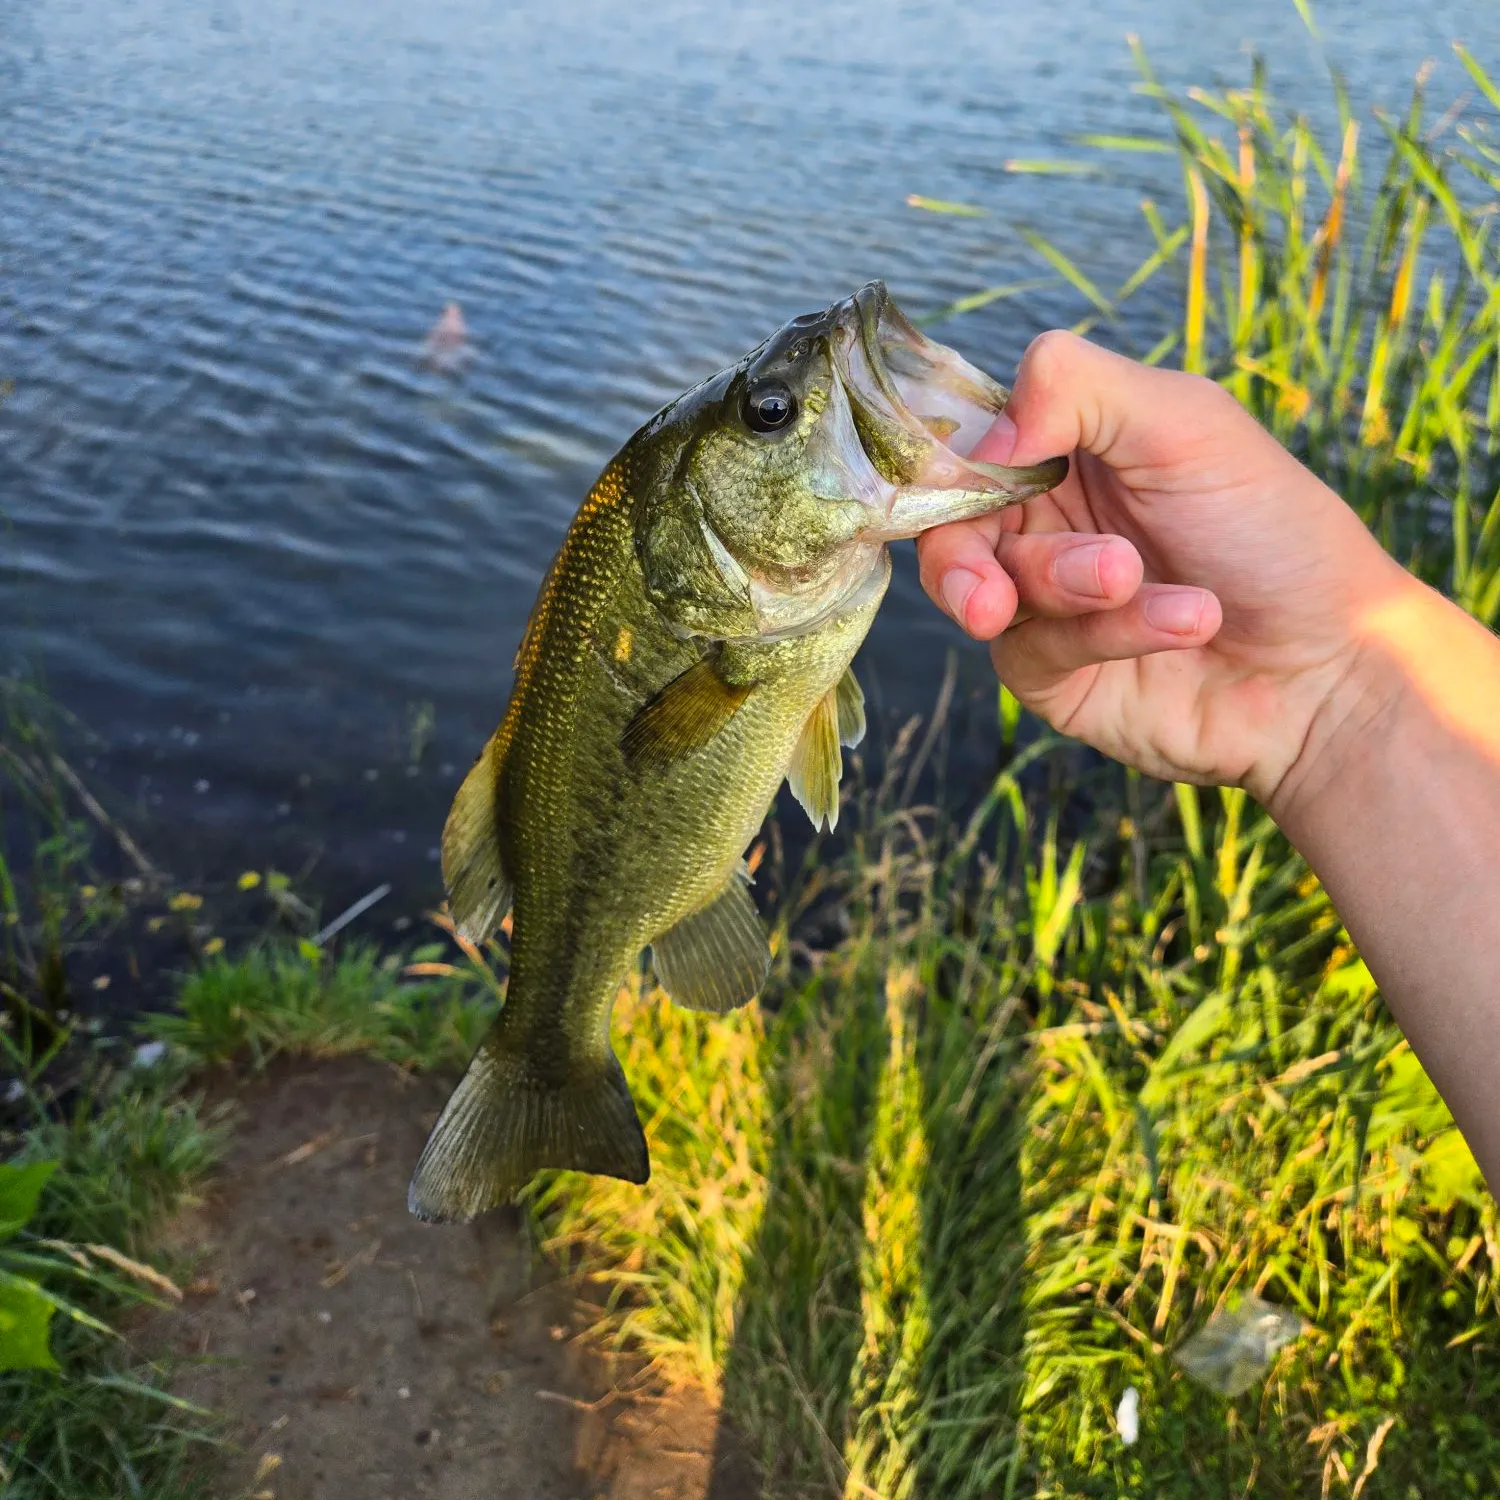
[[1191, 600]]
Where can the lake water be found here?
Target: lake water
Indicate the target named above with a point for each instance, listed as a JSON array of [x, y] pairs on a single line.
[[253, 543]]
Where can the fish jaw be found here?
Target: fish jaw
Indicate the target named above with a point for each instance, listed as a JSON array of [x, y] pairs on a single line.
[[918, 409]]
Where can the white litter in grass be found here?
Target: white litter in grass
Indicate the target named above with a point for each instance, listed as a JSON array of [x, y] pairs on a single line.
[[14, 1090], [1234, 1349], [359, 908], [1128, 1415], [148, 1054]]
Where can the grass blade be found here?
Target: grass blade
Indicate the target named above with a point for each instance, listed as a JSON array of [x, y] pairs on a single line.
[[1067, 270], [945, 206]]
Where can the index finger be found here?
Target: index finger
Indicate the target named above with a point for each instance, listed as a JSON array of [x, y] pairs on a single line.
[[961, 574]]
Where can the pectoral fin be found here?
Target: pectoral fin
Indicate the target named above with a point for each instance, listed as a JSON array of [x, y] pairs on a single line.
[[479, 891], [684, 716], [851, 709], [717, 959], [817, 763]]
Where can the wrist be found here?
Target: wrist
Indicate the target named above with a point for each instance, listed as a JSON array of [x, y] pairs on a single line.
[[1418, 669]]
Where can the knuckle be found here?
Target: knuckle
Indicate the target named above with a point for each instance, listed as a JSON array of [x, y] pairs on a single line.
[[1207, 393], [1050, 352], [1028, 559]]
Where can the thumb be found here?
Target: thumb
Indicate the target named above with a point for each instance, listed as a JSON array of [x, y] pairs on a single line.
[[1071, 394]]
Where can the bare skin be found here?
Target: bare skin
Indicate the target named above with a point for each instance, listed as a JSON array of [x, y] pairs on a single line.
[[1194, 602]]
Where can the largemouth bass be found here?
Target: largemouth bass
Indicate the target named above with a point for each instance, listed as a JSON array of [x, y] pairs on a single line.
[[689, 650]]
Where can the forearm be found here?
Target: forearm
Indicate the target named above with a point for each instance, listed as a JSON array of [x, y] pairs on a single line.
[[1395, 803]]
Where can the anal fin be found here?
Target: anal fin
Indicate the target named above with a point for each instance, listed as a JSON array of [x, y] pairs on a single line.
[[718, 958], [684, 716], [818, 764], [479, 892], [502, 1124]]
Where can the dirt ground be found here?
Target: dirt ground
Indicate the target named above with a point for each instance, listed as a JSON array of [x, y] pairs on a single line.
[[360, 1353]]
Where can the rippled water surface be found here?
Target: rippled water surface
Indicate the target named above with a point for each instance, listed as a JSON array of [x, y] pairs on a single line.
[[259, 547]]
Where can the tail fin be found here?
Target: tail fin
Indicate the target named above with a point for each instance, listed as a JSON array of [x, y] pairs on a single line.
[[501, 1125]]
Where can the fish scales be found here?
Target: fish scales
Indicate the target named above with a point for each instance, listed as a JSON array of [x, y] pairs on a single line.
[[670, 842]]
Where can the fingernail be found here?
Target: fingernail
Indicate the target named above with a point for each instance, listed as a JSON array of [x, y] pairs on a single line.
[[997, 445], [958, 585], [1077, 569], [1177, 613]]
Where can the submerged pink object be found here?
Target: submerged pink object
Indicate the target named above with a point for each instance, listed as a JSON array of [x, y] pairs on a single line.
[[447, 347]]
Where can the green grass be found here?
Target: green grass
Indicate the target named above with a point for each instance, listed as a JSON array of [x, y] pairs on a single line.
[[925, 1225], [281, 1000], [1054, 1100], [128, 1149], [50, 898]]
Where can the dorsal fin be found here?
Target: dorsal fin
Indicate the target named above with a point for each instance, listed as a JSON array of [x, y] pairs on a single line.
[[684, 716], [479, 891], [817, 763]]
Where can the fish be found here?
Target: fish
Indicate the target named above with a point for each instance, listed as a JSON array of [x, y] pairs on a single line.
[[690, 649]]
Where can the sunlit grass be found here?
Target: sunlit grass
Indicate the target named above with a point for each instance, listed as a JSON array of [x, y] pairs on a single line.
[[958, 1219]]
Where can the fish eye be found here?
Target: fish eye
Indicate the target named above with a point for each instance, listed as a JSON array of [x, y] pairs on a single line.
[[768, 406]]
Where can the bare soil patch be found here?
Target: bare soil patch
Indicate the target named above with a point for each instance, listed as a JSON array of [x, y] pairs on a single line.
[[357, 1352]]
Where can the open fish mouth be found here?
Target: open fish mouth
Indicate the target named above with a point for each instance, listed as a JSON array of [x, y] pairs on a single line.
[[919, 409]]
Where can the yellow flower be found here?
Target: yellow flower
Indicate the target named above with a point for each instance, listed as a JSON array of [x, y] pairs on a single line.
[[249, 880], [185, 901], [212, 946]]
